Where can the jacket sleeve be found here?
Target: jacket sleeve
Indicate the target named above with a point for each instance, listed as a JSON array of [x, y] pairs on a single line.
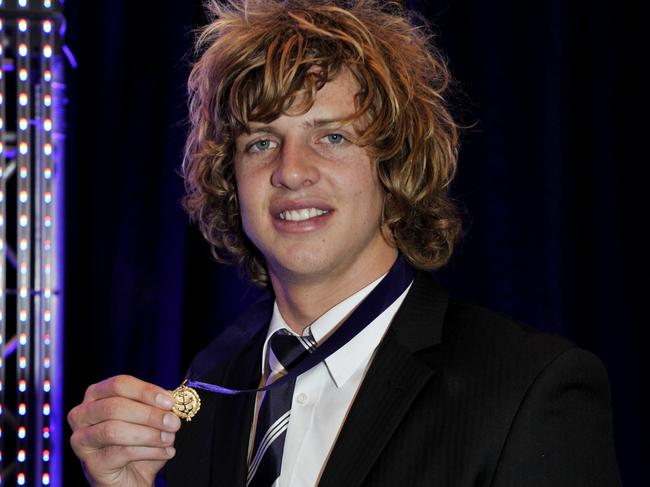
[[562, 433]]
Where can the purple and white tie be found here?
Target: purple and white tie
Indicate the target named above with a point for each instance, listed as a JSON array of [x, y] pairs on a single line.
[[275, 410]]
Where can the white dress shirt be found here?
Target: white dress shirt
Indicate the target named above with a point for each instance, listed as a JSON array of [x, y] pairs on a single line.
[[323, 395]]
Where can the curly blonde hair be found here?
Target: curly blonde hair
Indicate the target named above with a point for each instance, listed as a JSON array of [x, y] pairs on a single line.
[[254, 60]]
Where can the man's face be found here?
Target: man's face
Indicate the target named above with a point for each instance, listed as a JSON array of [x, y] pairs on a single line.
[[309, 196]]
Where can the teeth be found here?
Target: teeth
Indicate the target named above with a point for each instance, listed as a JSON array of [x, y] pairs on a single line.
[[301, 215]]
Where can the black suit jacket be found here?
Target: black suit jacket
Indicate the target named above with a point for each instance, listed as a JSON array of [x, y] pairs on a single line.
[[456, 396]]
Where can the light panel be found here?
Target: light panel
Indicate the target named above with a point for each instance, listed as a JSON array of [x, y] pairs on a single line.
[[47, 258], [24, 236], [31, 159]]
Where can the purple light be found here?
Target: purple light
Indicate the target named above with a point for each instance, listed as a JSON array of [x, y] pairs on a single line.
[[70, 56], [11, 347]]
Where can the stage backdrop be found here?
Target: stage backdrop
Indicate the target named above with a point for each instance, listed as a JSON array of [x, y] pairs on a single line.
[[549, 177]]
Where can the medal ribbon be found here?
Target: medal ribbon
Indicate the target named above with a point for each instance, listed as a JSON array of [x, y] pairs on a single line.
[[394, 283]]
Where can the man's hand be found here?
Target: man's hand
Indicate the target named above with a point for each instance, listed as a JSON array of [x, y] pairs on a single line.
[[123, 432]]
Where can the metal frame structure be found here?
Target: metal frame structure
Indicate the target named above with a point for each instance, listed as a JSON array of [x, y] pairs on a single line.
[[31, 163]]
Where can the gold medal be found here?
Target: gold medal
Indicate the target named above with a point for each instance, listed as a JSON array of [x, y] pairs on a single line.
[[186, 402]]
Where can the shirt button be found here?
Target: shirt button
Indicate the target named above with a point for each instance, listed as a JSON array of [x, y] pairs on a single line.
[[302, 398]]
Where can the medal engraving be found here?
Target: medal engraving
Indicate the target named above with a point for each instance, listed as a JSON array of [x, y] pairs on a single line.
[[186, 402]]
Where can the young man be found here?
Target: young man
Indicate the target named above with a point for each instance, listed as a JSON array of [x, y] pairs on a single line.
[[319, 158]]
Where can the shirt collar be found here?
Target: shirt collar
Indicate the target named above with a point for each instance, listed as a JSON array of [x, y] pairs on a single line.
[[346, 360]]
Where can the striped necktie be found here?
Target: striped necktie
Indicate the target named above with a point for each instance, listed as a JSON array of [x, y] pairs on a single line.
[[275, 410]]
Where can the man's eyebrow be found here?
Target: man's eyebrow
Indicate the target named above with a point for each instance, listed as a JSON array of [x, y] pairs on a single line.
[[312, 123], [323, 122], [264, 129]]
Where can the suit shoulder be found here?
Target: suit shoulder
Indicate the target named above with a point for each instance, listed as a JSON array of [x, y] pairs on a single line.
[[484, 338]]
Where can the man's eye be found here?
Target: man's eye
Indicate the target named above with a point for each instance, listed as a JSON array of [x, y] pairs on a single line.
[[334, 139], [262, 145]]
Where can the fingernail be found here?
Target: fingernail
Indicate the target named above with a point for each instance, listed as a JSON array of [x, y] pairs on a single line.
[[171, 421], [171, 451], [167, 437], [164, 401]]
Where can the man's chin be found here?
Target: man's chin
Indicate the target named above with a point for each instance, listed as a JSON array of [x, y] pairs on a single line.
[[301, 267]]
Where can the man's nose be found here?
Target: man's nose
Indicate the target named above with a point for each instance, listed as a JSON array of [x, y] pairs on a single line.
[[296, 167]]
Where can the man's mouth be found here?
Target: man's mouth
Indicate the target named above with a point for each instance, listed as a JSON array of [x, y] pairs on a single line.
[[301, 214]]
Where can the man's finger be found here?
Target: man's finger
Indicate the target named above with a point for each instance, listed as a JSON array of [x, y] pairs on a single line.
[[131, 388], [118, 433], [116, 457], [120, 408]]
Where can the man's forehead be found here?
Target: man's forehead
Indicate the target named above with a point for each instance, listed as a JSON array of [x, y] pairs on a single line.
[[335, 103]]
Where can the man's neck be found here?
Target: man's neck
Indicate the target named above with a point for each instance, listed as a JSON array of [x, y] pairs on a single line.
[[303, 301]]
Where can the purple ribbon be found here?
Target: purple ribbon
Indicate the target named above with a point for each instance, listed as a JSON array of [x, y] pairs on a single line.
[[394, 283]]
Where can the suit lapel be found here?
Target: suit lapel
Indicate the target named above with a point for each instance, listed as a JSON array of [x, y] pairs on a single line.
[[232, 419], [394, 379], [212, 448]]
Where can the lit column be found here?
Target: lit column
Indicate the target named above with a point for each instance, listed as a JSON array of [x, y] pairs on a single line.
[[31, 176], [46, 280], [23, 253]]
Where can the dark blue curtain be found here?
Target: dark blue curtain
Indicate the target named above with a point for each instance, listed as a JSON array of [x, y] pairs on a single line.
[[550, 177]]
